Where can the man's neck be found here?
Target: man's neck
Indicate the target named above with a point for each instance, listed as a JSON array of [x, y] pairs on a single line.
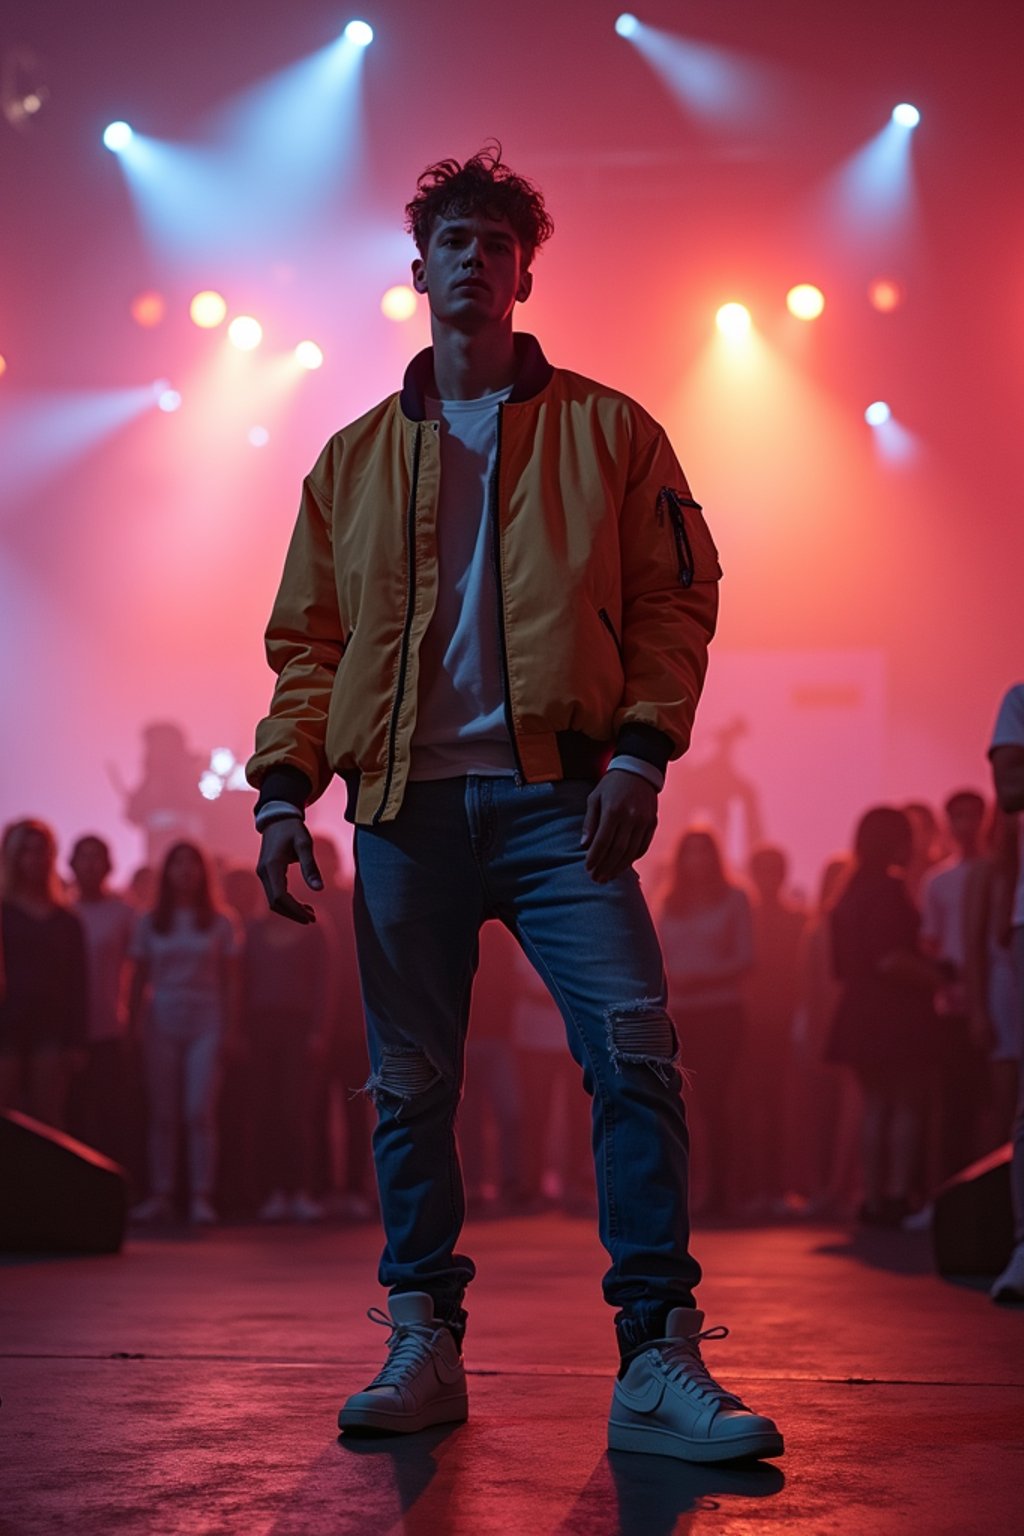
[[469, 365]]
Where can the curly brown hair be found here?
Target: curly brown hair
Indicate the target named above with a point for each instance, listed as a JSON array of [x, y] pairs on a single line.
[[483, 185]]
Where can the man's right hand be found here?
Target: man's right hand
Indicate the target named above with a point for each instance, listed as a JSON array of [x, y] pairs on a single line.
[[288, 842]]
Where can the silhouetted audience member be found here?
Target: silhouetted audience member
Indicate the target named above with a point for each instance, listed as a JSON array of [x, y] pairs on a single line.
[[1006, 752], [928, 846], [284, 1008], [961, 1077], [884, 1023], [102, 1092], [556, 1163], [772, 988], [490, 1116], [342, 1175], [142, 887], [42, 977], [707, 937], [186, 973], [828, 1109], [990, 977], [240, 1189]]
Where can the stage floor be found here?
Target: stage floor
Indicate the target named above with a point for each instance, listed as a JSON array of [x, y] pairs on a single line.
[[191, 1385]]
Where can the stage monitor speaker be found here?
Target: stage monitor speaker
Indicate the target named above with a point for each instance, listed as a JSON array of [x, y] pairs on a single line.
[[972, 1233], [56, 1194]]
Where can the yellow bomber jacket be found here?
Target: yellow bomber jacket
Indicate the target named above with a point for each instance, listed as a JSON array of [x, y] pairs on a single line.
[[606, 573]]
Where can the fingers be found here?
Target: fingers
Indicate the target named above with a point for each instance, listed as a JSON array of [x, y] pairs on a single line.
[[307, 859], [591, 818], [621, 832], [298, 911]]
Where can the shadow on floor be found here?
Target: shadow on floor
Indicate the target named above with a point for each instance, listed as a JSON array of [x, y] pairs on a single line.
[[899, 1253], [630, 1495]]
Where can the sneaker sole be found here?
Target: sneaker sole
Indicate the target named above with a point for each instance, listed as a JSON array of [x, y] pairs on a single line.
[[651, 1441], [369, 1421]]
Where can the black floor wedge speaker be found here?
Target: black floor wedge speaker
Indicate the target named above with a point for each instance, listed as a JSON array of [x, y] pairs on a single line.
[[972, 1232], [56, 1194]]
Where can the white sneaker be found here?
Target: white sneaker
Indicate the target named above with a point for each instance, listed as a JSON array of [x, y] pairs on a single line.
[[155, 1209], [302, 1208], [1010, 1285], [276, 1208], [424, 1380], [201, 1213], [668, 1404]]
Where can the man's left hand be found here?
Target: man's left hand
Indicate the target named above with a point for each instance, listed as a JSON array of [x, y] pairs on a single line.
[[622, 813]]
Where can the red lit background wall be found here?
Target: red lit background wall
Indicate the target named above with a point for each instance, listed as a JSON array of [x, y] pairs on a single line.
[[872, 607]]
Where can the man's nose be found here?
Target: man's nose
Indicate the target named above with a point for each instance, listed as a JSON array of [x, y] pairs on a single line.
[[472, 256]]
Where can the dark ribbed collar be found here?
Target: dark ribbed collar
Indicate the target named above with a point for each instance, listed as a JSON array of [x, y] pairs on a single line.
[[534, 375]]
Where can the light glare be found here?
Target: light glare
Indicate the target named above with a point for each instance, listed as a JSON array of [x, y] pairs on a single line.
[[399, 303], [627, 24], [309, 355], [245, 333], [906, 115], [3, 365], [147, 309], [885, 295], [259, 437], [733, 320], [877, 413], [207, 309], [360, 33], [169, 400], [117, 136], [805, 301]]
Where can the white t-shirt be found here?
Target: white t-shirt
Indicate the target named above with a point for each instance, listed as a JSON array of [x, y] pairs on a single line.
[[460, 719], [108, 925], [185, 971], [943, 905], [1009, 732]]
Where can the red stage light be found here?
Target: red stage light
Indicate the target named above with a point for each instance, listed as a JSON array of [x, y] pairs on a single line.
[[148, 309], [885, 294]]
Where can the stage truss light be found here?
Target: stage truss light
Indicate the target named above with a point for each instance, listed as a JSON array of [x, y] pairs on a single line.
[[117, 136], [359, 33], [399, 302], [906, 115], [259, 437], [207, 309], [733, 320], [805, 302], [169, 400], [627, 25], [877, 413], [245, 333], [308, 355]]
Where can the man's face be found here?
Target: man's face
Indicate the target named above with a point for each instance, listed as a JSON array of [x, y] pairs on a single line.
[[472, 273]]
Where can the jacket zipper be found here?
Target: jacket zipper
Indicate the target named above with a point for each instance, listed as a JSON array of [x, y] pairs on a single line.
[[502, 645], [670, 500], [602, 614], [410, 602]]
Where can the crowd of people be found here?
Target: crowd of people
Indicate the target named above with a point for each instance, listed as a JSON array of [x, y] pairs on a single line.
[[841, 1058]]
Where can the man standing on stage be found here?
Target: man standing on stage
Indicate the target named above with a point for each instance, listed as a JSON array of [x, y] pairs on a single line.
[[493, 625]]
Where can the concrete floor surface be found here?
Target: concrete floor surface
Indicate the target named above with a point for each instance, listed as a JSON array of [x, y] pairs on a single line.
[[190, 1385]]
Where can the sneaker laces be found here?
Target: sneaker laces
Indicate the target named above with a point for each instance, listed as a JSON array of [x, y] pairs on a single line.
[[684, 1366], [409, 1347]]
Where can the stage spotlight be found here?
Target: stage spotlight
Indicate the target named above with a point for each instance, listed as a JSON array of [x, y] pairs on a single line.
[[805, 301], [222, 760], [148, 309], [169, 400], [259, 437], [360, 33], [399, 303], [885, 295], [207, 309], [906, 115], [309, 355], [877, 413], [733, 320], [627, 25], [117, 136], [245, 333], [210, 784]]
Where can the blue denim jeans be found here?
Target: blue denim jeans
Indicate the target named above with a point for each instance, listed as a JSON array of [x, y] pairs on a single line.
[[459, 852]]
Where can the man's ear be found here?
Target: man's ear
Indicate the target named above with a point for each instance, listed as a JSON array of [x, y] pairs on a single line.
[[525, 287], [419, 276]]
